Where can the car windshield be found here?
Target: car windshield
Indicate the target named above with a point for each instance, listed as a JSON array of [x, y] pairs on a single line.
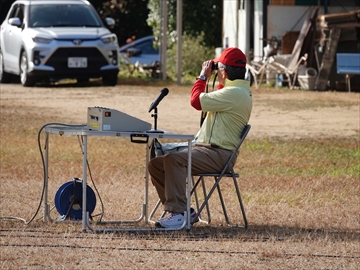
[[66, 15]]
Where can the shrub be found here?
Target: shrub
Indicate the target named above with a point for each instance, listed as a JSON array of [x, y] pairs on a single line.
[[194, 53]]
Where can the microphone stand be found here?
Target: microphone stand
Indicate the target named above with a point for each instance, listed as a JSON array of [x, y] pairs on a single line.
[[155, 115]]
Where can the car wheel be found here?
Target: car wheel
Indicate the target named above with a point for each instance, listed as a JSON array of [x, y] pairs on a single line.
[[24, 78], [110, 80], [4, 76]]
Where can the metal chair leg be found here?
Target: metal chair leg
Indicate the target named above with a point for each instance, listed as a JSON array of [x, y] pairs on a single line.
[[240, 202], [154, 211], [207, 205], [193, 191], [222, 202]]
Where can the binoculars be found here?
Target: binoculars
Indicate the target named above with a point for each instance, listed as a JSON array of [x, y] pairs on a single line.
[[214, 66]]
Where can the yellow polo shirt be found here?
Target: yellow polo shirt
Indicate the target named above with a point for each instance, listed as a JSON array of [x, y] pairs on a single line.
[[228, 112]]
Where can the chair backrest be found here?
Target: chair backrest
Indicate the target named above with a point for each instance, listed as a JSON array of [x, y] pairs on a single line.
[[348, 63], [282, 65], [243, 135]]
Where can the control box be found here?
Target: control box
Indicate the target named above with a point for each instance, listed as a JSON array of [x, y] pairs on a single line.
[[105, 119]]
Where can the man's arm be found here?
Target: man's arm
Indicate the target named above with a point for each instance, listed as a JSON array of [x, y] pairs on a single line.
[[198, 88]]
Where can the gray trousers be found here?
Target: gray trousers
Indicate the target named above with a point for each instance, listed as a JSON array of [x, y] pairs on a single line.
[[169, 173]]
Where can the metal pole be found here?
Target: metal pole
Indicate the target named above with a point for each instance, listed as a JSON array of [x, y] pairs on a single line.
[[146, 195], [188, 225], [84, 185], [237, 8], [163, 38], [179, 38], [46, 206], [247, 35], [326, 6]]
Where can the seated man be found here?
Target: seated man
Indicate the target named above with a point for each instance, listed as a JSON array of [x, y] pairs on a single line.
[[228, 111]]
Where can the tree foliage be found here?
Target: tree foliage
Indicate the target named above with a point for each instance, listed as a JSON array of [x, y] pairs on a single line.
[[193, 55], [202, 33], [130, 17], [198, 17], [4, 8]]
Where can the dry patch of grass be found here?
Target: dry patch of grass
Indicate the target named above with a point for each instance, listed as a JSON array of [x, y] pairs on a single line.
[[301, 198]]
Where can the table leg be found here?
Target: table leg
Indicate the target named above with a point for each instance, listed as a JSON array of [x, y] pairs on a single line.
[[146, 195], [188, 225], [84, 186], [46, 174]]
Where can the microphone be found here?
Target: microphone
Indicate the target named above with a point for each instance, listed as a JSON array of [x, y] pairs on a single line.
[[163, 93]]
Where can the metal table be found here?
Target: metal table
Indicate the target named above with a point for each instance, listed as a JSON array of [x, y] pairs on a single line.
[[135, 137]]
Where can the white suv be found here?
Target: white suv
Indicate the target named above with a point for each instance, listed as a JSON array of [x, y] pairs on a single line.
[[57, 39]]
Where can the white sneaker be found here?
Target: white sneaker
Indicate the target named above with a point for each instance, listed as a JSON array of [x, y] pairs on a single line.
[[174, 220]]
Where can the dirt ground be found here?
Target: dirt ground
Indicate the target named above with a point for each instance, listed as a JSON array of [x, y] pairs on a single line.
[[276, 112], [280, 113]]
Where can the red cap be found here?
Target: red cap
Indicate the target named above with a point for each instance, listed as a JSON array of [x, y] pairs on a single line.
[[232, 57]]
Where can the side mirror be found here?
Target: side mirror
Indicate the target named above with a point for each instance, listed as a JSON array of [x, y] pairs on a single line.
[[133, 52], [110, 22], [15, 22]]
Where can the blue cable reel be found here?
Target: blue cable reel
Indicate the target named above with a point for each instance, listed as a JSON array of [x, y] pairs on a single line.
[[68, 200]]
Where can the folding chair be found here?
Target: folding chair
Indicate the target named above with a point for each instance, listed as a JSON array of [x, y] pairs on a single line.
[[228, 171]]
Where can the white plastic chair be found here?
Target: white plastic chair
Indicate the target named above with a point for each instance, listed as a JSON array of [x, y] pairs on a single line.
[[281, 65], [258, 70]]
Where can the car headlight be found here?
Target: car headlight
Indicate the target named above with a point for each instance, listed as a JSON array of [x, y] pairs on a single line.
[[42, 40], [109, 39]]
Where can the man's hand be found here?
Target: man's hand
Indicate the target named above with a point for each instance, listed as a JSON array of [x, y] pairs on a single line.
[[206, 69]]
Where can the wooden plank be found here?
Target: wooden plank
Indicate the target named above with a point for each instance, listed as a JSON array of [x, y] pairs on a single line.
[[348, 34], [328, 59], [282, 2], [303, 33], [338, 18], [349, 15]]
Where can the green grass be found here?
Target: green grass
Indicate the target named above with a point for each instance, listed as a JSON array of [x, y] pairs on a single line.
[[305, 157]]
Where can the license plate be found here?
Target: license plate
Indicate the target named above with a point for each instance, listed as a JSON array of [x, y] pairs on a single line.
[[77, 62]]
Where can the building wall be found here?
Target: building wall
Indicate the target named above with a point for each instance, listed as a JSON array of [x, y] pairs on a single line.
[[282, 16], [283, 19]]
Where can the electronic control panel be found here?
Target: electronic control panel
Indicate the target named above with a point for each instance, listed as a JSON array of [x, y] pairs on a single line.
[[105, 119]]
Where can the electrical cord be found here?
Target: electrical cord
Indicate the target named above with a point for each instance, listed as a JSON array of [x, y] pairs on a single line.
[[44, 178], [92, 181]]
